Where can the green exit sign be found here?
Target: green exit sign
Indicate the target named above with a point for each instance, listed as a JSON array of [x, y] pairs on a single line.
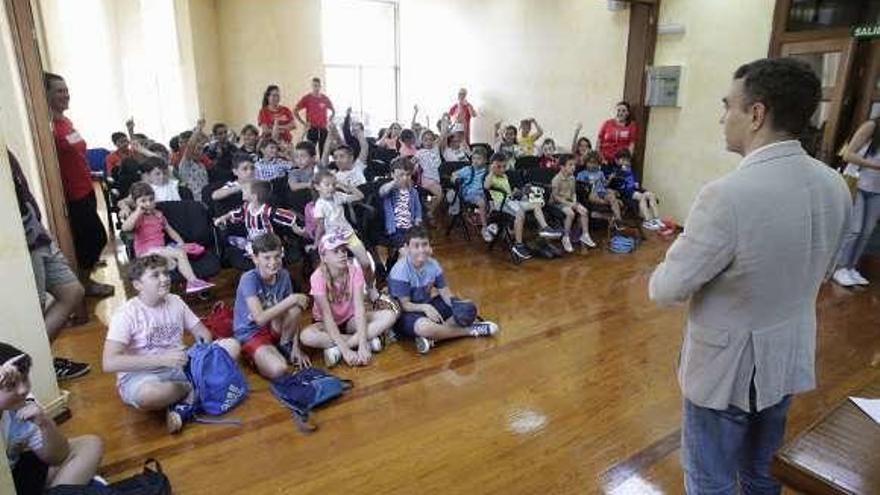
[[866, 32]]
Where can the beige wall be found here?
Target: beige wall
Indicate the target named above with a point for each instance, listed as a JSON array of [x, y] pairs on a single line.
[[272, 42], [685, 146], [558, 61], [201, 58]]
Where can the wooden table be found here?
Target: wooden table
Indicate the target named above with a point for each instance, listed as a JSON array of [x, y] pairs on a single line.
[[840, 453]]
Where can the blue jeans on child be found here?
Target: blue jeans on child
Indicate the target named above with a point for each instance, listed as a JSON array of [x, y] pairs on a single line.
[[723, 452]]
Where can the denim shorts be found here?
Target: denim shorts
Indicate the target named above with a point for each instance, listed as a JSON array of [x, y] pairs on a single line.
[[128, 385]]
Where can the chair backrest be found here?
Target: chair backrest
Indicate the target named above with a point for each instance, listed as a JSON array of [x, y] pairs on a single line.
[[190, 219], [280, 192], [299, 199], [516, 178], [382, 154], [184, 193], [377, 169], [541, 176], [527, 162], [97, 158], [446, 171]]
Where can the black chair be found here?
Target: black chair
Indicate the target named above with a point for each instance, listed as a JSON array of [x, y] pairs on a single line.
[[184, 193], [191, 220], [457, 217], [503, 221], [377, 169], [382, 154], [527, 163]]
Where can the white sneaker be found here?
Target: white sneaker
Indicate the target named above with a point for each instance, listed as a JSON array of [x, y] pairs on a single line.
[[484, 329], [566, 244], [332, 356], [843, 278], [588, 241], [423, 344], [650, 225], [487, 234], [857, 277], [375, 344]]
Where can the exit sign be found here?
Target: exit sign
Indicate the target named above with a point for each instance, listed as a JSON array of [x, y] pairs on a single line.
[[866, 31]]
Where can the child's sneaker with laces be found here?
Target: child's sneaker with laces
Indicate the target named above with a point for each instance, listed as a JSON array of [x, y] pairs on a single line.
[[332, 356], [177, 415], [484, 329], [423, 344], [521, 251], [588, 241]]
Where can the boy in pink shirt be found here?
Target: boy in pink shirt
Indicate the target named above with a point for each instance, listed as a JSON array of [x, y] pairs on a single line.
[[144, 344]]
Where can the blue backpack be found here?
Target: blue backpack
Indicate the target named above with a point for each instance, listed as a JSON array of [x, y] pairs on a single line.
[[621, 244], [306, 389], [218, 384]]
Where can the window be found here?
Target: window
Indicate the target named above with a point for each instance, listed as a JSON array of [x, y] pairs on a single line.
[[359, 39], [823, 14]]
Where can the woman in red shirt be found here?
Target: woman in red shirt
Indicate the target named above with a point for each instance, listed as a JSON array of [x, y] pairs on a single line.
[[89, 236], [618, 133], [274, 118]]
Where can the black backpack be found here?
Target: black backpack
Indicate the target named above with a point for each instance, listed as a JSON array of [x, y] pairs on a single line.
[[152, 481]]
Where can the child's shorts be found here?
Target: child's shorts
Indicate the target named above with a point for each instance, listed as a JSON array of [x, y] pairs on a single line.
[[513, 207], [406, 324], [130, 383], [473, 198], [263, 336]]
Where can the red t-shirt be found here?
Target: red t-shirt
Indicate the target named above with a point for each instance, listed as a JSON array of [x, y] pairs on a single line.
[[71, 149], [316, 109], [614, 136], [285, 117], [115, 158], [465, 118]]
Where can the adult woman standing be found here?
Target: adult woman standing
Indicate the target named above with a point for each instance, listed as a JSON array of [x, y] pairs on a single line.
[[274, 118], [89, 236], [863, 151], [618, 133]]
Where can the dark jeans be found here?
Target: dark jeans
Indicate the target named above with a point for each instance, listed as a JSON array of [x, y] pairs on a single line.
[[89, 236], [318, 135], [723, 452]]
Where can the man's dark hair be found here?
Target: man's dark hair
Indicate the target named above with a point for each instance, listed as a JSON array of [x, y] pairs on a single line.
[[265, 243], [139, 266], [787, 87], [308, 147], [417, 232], [116, 136]]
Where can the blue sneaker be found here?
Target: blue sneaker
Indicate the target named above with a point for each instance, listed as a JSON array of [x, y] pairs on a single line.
[[177, 415]]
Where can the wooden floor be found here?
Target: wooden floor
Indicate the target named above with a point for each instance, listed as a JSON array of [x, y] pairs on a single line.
[[576, 395]]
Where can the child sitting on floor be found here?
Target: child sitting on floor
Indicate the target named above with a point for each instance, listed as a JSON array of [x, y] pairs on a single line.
[[257, 215], [271, 165], [266, 313], [511, 202], [144, 344], [38, 453], [565, 198], [600, 194], [343, 328], [624, 180], [150, 227], [329, 214], [471, 179], [427, 317], [243, 170]]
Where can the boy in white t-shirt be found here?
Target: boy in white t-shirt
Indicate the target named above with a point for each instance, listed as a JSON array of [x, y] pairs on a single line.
[[144, 344], [38, 454], [349, 169]]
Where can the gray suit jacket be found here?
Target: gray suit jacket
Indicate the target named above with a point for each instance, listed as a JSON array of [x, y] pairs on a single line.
[[757, 245]]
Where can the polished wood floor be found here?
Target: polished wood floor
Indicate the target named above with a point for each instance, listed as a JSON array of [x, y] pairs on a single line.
[[576, 395]]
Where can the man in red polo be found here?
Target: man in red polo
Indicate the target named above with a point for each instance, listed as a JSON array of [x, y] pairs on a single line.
[[316, 105]]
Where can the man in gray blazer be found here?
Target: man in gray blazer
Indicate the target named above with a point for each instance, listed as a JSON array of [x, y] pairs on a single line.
[[757, 245]]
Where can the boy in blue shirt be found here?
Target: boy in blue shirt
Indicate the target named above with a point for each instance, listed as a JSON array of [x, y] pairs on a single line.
[[426, 302], [623, 179], [471, 179], [266, 314]]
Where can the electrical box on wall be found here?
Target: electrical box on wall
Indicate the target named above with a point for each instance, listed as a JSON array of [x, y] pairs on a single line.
[[662, 86]]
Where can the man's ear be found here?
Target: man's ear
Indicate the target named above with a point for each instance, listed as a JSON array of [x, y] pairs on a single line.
[[760, 115]]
